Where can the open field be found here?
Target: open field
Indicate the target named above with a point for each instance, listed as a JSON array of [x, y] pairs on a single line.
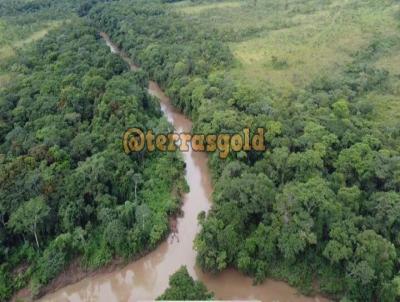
[[296, 41], [190, 8], [286, 45]]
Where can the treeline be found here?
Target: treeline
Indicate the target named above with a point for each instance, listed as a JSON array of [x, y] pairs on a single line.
[[51, 9], [146, 28], [67, 189], [323, 203], [25, 7]]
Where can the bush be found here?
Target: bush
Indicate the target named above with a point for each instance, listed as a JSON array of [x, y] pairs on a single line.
[[183, 287]]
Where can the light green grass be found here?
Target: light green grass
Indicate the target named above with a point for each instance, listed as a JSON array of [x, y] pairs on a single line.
[[387, 109], [308, 39], [390, 62], [191, 8], [312, 37], [4, 79]]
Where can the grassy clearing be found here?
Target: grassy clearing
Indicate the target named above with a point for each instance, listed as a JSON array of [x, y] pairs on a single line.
[[287, 44], [391, 62], [297, 40], [386, 111], [4, 79], [191, 8]]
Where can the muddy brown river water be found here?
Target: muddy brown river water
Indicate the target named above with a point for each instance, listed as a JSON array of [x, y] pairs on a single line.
[[147, 278]]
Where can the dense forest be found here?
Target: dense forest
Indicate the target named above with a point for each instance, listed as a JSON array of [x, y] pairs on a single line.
[[322, 204], [67, 188]]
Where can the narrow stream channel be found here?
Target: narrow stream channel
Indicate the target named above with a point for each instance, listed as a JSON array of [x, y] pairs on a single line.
[[147, 278]]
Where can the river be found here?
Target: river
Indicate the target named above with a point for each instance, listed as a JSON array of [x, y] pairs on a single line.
[[147, 278]]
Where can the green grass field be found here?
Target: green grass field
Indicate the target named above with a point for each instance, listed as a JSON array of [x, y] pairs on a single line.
[[192, 8], [285, 45]]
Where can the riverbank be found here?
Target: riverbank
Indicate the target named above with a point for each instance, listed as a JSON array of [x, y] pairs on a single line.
[[147, 277]]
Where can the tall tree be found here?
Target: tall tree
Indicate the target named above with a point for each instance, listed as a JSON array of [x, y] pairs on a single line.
[[29, 217]]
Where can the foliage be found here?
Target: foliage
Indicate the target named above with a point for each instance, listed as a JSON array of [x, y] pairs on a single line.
[[183, 287], [321, 202], [67, 189]]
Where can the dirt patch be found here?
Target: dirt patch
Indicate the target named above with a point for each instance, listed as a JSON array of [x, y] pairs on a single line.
[[22, 295]]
